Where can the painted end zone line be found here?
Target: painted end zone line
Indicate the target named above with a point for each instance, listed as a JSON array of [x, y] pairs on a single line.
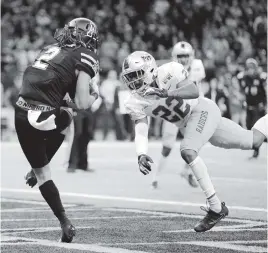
[[128, 199]]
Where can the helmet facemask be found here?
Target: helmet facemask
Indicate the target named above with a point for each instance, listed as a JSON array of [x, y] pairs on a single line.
[[184, 59], [139, 71], [138, 81]]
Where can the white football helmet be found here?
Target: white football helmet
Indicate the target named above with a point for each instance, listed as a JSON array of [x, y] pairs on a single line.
[[139, 70], [183, 53]]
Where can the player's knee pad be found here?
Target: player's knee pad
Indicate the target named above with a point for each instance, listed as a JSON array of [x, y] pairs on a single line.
[[188, 155], [166, 151]]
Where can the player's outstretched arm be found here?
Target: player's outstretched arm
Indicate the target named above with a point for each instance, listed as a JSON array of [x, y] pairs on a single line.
[[141, 143], [187, 90], [84, 97]]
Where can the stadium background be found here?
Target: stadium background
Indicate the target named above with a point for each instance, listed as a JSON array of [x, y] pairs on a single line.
[[223, 33]]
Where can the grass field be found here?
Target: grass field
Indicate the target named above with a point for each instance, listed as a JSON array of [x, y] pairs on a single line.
[[115, 210]]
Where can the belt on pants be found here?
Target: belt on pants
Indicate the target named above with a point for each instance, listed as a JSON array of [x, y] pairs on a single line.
[[33, 105]]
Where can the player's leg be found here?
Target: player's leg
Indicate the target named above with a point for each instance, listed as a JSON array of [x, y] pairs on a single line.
[[169, 135], [33, 144], [230, 135], [200, 127]]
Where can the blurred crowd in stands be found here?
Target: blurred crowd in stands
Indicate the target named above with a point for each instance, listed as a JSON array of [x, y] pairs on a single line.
[[224, 33]]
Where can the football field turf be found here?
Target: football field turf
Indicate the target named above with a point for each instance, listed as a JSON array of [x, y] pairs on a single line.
[[115, 209]]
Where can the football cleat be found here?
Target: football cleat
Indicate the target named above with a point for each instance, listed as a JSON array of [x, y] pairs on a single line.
[[68, 232], [31, 179], [211, 218]]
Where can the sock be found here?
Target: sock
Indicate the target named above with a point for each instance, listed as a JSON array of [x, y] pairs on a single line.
[[161, 164], [201, 173], [214, 203], [51, 195], [262, 125]]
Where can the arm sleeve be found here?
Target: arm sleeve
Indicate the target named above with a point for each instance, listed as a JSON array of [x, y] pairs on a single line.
[[87, 61], [141, 137]]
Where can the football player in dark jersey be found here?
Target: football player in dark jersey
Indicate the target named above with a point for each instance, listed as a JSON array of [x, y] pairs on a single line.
[[253, 84], [42, 114]]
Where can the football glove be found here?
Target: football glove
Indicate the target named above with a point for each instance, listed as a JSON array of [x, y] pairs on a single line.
[[31, 179], [144, 164], [162, 93]]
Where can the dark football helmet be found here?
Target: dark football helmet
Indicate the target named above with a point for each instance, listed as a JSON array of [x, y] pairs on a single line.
[[81, 32]]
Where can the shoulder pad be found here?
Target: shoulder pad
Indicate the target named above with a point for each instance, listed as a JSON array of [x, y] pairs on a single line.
[[88, 61], [197, 63]]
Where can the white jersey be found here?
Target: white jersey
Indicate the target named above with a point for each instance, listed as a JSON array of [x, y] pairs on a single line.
[[174, 110]]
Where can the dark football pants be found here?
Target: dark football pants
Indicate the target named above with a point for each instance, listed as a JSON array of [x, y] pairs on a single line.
[[253, 115], [82, 136], [38, 146]]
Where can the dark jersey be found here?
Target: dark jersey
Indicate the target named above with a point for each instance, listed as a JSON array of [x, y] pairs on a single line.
[[53, 74], [253, 87]]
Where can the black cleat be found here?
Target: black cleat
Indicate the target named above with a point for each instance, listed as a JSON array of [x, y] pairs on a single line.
[[31, 179], [68, 232], [211, 219]]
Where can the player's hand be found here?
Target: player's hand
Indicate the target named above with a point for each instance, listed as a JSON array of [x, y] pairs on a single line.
[[144, 164], [162, 93]]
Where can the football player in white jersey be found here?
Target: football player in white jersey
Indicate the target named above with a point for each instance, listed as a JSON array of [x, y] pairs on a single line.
[[165, 92], [183, 53]]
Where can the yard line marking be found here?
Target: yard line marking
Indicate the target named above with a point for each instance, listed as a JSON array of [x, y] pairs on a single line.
[[75, 246], [25, 210], [93, 218], [42, 203], [37, 229], [130, 199], [212, 244], [193, 216], [217, 229], [44, 209], [241, 227]]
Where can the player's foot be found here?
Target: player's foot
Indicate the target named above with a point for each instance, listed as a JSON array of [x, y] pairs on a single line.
[[211, 218], [68, 232], [155, 184], [31, 179], [85, 169], [190, 178], [71, 169], [255, 153]]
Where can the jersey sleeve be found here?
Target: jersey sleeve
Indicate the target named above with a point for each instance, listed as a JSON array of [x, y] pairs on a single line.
[[179, 72], [134, 108], [87, 61]]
